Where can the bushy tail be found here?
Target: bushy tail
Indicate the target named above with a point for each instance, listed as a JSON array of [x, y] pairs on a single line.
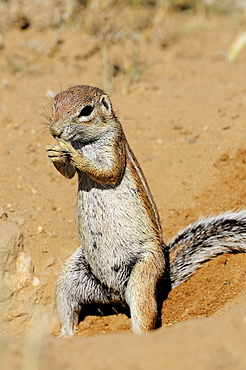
[[203, 240]]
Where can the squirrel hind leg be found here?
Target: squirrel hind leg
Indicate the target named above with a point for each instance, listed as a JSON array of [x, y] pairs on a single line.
[[69, 323], [68, 307], [142, 294], [77, 286]]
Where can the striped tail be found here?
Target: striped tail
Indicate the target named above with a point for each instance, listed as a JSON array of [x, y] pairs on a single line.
[[203, 240]]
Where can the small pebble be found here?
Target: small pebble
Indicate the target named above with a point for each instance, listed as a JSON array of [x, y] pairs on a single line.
[[35, 281], [5, 82], [3, 213], [40, 229]]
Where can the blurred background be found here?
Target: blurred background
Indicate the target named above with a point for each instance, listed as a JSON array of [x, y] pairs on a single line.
[[114, 30]]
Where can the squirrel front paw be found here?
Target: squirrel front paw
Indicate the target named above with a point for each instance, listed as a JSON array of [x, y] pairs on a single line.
[[56, 153], [72, 155]]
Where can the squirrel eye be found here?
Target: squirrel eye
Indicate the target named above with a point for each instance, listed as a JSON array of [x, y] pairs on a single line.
[[86, 111]]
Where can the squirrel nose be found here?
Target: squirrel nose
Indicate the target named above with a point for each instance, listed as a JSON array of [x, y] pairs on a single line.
[[56, 129]]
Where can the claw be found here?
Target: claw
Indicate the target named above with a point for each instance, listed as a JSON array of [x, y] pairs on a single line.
[[67, 146]]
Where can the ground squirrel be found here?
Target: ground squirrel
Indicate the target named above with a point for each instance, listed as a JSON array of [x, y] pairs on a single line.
[[122, 256]]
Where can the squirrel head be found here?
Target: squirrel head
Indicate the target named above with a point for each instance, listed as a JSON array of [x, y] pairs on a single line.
[[81, 113]]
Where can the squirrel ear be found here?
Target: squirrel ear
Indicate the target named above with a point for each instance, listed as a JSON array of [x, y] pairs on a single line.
[[106, 103]]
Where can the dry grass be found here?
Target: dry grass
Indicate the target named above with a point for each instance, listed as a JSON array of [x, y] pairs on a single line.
[[140, 21]]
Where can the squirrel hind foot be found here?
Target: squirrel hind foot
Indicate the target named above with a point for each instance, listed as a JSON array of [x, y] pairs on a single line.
[[67, 333]]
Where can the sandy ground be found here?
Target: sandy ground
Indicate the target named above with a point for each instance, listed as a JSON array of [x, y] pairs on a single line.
[[184, 119]]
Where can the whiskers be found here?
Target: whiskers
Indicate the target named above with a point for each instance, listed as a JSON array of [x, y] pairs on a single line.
[[43, 126], [43, 108]]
